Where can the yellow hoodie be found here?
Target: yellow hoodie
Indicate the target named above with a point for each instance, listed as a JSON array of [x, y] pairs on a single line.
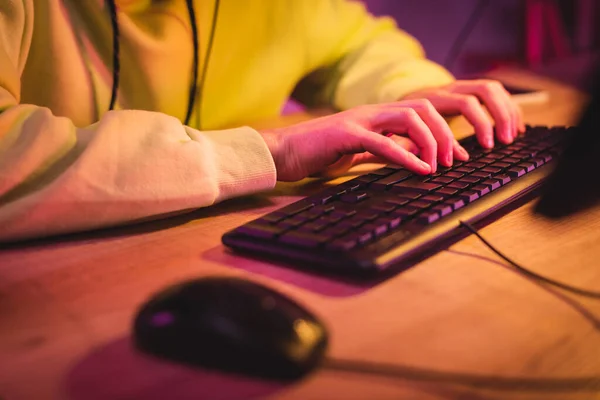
[[66, 164]]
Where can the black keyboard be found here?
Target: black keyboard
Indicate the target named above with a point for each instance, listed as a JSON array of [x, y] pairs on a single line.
[[391, 216]]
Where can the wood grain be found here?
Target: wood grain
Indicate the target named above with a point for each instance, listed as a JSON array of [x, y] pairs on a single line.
[[66, 307]]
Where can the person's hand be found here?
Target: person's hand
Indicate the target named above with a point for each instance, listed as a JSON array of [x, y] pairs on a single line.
[[371, 133], [466, 98]]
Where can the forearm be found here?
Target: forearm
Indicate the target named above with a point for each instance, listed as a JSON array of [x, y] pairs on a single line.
[[131, 165]]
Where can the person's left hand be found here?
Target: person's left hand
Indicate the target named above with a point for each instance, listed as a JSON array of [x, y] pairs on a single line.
[[466, 98]]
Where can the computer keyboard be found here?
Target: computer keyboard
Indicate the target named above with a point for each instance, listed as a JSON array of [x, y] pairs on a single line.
[[391, 216]]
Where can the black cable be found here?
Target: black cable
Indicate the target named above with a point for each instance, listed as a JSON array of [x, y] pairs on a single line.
[[525, 271], [116, 63], [464, 33], [194, 84], [199, 87]]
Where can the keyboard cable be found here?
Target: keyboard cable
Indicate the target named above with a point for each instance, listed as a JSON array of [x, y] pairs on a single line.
[[406, 372], [527, 272]]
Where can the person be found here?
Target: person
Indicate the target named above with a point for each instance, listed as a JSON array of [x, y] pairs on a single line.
[[174, 140]]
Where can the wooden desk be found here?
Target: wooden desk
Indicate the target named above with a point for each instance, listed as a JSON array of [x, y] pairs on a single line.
[[66, 306]]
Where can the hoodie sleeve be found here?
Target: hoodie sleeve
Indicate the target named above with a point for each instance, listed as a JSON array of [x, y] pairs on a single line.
[[357, 59], [131, 165]]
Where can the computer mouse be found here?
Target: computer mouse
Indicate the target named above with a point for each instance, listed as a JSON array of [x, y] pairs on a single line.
[[231, 324]]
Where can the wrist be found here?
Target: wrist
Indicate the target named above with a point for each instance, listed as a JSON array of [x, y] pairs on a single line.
[[274, 144]]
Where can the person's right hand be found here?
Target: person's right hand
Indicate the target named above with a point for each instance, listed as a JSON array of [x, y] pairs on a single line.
[[391, 133]]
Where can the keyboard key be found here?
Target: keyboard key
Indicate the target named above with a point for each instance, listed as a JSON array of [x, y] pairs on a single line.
[[458, 185], [469, 195], [442, 180], [465, 170], [383, 171], [343, 213], [501, 165], [414, 185], [292, 222], [511, 160], [322, 199], [486, 160], [491, 170], [384, 208], [505, 151], [366, 215], [454, 175], [398, 201], [352, 223], [274, 217], [260, 230], [455, 202], [442, 209], [386, 183], [314, 226], [376, 229], [492, 184], [547, 157], [303, 239], [393, 221], [428, 217], [481, 190], [537, 161], [317, 211], [296, 208], [503, 178], [470, 179], [521, 156], [406, 212], [354, 197], [363, 237], [475, 165], [481, 174], [343, 244], [334, 231], [407, 194], [527, 165], [516, 172], [433, 198], [329, 219], [445, 192], [364, 179], [352, 186], [421, 204]]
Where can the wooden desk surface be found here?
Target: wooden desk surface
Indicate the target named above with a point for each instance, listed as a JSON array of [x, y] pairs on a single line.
[[66, 307]]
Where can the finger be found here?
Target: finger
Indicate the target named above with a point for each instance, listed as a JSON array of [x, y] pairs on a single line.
[[494, 98], [518, 115], [407, 120], [390, 151], [439, 129], [513, 109], [459, 152], [368, 158], [473, 111]]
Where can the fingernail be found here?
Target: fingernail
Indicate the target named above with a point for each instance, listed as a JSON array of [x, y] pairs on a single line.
[[448, 160], [462, 151], [489, 143], [424, 165], [433, 166]]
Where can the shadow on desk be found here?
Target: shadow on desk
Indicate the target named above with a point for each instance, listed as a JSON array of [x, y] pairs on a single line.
[[117, 371], [150, 225]]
